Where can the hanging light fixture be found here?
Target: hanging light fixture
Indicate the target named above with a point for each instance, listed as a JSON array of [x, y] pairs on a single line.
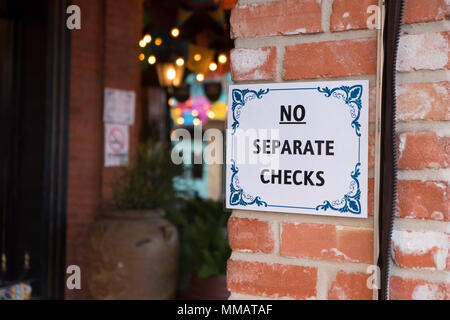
[[213, 66], [175, 32], [200, 77], [197, 57], [222, 58], [147, 38], [169, 74], [179, 62], [151, 59]]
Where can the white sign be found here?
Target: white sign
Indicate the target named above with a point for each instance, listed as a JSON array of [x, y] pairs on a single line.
[[298, 148], [116, 145], [119, 106]]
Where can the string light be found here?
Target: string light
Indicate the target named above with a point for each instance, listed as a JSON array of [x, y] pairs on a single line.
[[212, 66], [195, 113], [171, 101], [158, 41], [179, 62], [222, 58], [147, 38], [196, 121], [152, 59], [142, 43], [200, 77], [141, 57], [211, 114], [171, 74], [197, 57], [180, 120], [175, 32]]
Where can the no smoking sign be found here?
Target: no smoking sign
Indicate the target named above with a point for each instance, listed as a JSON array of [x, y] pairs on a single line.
[[116, 145]]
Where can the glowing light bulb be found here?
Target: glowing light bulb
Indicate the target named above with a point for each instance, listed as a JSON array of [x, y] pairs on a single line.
[[179, 62], [171, 74], [142, 43], [195, 113], [211, 114], [212, 66], [141, 57], [222, 58], [147, 38], [152, 59], [200, 77], [171, 102], [180, 120], [175, 32], [196, 121], [158, 41], [197, 57]]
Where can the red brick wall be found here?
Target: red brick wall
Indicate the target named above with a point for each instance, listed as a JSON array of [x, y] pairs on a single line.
[[104, 54], [312, 257]]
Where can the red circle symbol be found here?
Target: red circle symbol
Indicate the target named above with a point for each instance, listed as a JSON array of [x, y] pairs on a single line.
[[116, 139]]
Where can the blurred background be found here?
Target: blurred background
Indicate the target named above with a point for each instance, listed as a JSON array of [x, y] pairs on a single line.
[[91, 92]]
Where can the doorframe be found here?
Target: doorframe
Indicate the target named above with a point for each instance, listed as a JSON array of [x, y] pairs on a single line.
[[53, 254]]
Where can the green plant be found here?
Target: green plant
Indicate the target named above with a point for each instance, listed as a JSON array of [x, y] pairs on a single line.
[[147, 184], [204, 243]]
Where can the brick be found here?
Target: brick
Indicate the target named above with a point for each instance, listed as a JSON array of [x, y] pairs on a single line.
[[415, 289], [424, 11], [422, 150], [254, 64], [275, 18], [228, 4], [250, 235], [330, 59], [326, 241], [273, 280], [423, 200], [427, 51], [350, 14], [423, 101], [420, 250], [350, 286], [103, 53]]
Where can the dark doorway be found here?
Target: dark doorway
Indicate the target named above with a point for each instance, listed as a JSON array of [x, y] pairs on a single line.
[[33, 144]]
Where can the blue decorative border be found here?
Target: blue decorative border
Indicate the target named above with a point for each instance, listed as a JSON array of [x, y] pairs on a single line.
[[240, 97], [351, 200], [237, 194]]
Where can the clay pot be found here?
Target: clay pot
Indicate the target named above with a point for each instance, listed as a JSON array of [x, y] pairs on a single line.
[[131, 255], [210, 288]]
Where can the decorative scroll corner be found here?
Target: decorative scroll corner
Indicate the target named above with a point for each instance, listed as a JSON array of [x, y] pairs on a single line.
[[352, 97], [240, 97], [237, 194], [351, 202]]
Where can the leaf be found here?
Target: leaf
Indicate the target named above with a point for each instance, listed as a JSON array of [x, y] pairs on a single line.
[[235, 197], [354, 206], [355, 92], [237, 96]]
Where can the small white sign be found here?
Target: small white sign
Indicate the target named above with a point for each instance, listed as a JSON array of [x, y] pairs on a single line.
[[119, 106], [116, 145], [298, 148]]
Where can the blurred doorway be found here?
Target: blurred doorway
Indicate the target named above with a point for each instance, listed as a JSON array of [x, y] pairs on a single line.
[[33, 144]]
